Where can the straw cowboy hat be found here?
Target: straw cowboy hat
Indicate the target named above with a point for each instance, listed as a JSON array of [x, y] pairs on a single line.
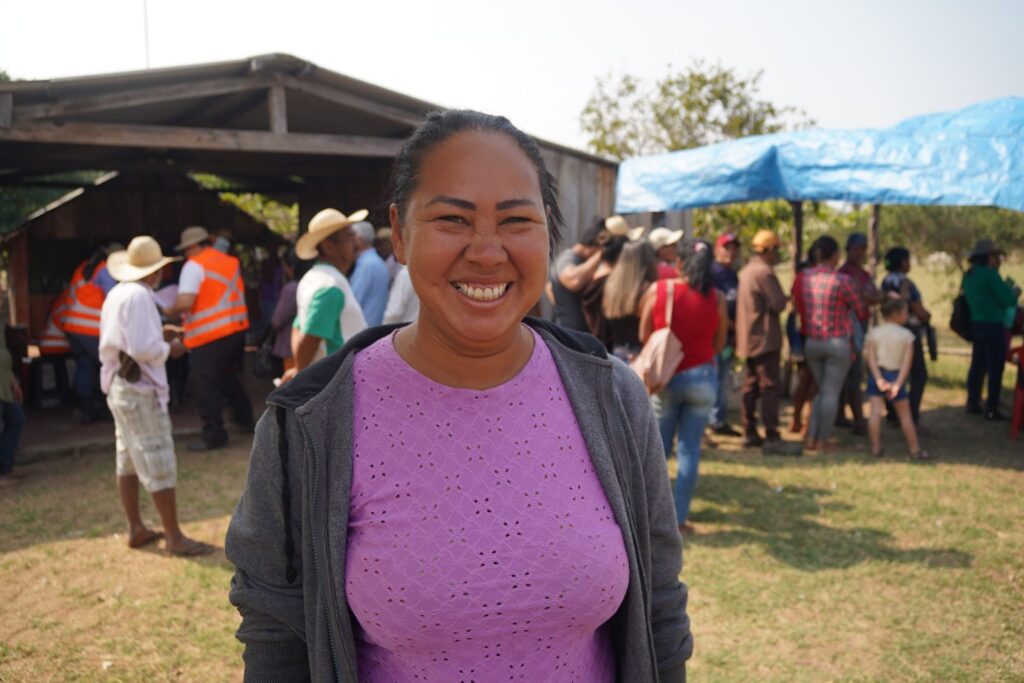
[[618, 226], [323, 225], [192, 236], [142, 258], [663, 237]]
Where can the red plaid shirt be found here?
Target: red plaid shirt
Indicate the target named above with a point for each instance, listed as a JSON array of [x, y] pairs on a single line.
[[827, 299], [867, 285]]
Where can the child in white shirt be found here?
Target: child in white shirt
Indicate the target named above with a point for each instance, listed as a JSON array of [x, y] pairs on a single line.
[[889, 349]]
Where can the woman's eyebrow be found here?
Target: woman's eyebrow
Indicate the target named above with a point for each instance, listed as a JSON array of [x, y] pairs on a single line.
[[454, 201], [514, 203]]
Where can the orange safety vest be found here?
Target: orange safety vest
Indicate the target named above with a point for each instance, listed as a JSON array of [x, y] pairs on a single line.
[[219, 309], [53, 341], [86, 298]]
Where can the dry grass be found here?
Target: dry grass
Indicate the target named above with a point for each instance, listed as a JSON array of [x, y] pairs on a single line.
[[834, 567], [79, 605]]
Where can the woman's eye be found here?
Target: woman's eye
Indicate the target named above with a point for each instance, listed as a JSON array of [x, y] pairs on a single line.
[[453, 219]]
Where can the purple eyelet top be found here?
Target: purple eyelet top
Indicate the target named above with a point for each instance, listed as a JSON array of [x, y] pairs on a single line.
[[481, 545]]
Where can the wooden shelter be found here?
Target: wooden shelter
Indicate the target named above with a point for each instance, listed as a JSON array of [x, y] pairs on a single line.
[[275, 124], [115, 208]]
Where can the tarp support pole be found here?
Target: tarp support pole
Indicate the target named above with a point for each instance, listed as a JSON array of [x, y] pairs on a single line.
[[798, 233], [873, 221]]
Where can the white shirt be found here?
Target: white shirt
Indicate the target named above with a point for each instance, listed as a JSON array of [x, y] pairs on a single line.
[[191, 277], [324, 275], [130, 322], [403, 304]]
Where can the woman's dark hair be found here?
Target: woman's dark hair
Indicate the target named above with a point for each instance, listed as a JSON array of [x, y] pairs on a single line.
[[590, 237], [895, 257], [611, 246], [697, 257], [297, 265], [438, 127], [824, 248]]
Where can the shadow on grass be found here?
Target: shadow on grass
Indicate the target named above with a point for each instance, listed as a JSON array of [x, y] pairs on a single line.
[[948, 433], [75, 497], [782, 521]]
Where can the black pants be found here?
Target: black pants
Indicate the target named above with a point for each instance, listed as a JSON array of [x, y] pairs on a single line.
[[918, 377], [217, 368], [988, 358]]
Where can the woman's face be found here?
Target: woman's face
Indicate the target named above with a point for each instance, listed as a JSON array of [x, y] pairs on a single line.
[[475, 238]]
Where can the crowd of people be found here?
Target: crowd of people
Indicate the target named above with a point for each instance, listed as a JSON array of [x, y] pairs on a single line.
[[620, 283], [438, 465]]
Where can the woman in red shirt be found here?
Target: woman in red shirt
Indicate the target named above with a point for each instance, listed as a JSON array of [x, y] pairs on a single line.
[[700, 321]]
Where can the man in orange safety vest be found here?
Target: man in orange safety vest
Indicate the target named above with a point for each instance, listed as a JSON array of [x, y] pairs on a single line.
[[211, 299], [80, 322]]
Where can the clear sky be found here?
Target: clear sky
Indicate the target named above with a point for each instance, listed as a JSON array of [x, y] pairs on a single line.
[[862, 63]]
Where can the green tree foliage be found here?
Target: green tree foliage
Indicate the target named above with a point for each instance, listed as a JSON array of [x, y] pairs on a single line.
[[279, 217], [950, 229], [699, 105]]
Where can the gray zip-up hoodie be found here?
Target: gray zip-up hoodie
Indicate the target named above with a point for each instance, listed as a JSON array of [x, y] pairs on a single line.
[[288, 536]]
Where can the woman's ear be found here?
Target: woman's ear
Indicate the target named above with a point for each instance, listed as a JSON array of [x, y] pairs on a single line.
[[397, 236]]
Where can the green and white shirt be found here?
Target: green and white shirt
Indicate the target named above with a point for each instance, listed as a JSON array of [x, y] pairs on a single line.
[[327, 308]]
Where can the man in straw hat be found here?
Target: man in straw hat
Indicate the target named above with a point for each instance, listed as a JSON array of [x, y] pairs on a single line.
[[133, 351], [760, 302], [328, 312], [211, 298]]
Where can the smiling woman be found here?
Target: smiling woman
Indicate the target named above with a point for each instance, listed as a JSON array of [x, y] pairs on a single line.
[[475, 496]]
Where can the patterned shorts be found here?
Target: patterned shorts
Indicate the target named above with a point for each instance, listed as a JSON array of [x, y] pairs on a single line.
[[145, 446]]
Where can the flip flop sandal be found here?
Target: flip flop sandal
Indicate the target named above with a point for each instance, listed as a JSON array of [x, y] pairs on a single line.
[[199, 548], [152, 537]]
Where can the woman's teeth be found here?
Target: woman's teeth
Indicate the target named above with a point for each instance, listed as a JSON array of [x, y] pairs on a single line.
[[489, 293]]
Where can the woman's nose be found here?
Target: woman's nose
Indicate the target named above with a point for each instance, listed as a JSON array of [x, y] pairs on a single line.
[[486, 248]]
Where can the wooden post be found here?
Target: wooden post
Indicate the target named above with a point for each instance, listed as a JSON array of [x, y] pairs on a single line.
[[278, 108], [6, 109], [798, 233], [17, 279], [873, 221]]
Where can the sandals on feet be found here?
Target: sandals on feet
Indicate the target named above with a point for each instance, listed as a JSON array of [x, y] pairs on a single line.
[[145, 538], [921, 455]]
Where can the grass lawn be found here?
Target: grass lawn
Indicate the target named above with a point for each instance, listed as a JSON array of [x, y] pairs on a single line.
[[822, 568]]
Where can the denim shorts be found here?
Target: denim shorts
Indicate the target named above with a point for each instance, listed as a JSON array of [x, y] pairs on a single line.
[[888, 376]]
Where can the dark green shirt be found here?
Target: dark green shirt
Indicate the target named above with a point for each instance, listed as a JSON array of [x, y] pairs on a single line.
[[987, 294]]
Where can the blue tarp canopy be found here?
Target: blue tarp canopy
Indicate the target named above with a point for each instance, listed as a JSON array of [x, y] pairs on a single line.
[[971, 157]]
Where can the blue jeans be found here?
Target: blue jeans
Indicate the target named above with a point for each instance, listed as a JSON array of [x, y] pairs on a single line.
[[685, 404], [717, 416], [13, 419]]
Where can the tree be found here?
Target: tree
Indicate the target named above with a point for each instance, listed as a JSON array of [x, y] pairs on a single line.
[[950, 229], [697, 106], [700, 105]]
